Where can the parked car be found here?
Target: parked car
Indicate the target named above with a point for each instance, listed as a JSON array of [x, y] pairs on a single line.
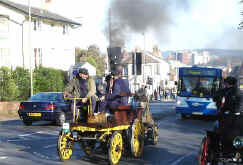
[[48, 106]]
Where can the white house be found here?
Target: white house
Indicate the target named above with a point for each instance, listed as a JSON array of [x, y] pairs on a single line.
[[153, 68], [50, 42], [74, 69]]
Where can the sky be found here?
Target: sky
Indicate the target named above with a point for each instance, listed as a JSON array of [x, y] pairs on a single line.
[[183, 24]]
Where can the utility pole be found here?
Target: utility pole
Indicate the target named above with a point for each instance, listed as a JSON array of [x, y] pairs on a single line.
[[109, 53], [135, 72], [30, 54], [144, 58]]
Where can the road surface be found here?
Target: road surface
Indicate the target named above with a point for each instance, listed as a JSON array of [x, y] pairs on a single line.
[[179, 142]]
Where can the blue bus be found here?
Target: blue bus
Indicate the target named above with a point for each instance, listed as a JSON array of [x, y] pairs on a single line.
[[196, 87]]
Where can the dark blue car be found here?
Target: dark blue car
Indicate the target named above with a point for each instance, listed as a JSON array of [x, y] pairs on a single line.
[[48, 106]]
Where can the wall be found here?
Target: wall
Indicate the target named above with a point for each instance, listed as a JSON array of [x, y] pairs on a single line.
[[8, 110]]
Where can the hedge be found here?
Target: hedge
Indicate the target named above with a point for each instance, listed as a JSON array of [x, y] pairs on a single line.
[[15, 84]]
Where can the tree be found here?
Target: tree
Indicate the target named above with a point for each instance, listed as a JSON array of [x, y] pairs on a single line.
[[92, 61], [93, 56], [49, 80], [8, 88], [21, 77]]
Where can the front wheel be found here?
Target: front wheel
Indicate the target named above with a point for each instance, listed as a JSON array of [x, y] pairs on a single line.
[[115, 148], [27, 122], [183, 116], [204, 155], [65, 146]]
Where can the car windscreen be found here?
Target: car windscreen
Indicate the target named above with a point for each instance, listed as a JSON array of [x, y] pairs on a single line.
[[46, 97], [198, 86]]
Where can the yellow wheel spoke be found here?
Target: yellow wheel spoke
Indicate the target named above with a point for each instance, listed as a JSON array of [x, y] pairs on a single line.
[[65, 146], [115, 148]]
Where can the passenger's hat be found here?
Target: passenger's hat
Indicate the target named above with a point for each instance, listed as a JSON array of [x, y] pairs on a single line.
[[231, 80], [84, 71], [117, 70]]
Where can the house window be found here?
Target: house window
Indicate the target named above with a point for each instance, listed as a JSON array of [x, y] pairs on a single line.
[[157, 69], [65, 29], [37, 25], [126, 70], [38, 57], [4, 25], [4, 57]]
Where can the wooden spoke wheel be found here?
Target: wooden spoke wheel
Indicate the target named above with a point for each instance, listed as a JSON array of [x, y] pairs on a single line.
[[87, 146], [115, 148], [204, 156], [137, 139], [65, 146], [155, 135]]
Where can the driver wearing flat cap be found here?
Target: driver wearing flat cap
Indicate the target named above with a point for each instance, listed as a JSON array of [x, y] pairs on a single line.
[[82, 86]]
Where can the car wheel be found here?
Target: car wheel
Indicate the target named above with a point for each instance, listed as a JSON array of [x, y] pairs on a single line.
[[61, 119], [27, 122], [184, 116]]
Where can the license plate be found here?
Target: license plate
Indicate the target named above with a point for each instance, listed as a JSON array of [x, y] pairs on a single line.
[[34, 114], [197, 113]]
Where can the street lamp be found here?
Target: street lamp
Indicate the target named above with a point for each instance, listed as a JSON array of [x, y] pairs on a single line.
[[22, 29], [31, 76]]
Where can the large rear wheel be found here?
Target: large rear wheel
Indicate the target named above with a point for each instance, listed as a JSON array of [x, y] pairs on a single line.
[[137, 139], [115, 148], [205, 156], [65, 145]]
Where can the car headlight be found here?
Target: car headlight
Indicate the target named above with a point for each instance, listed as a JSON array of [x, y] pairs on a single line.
[[212, 105], [238, 142], [181, 103]]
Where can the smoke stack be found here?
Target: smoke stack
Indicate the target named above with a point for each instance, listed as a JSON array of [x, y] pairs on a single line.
[[114, 57]]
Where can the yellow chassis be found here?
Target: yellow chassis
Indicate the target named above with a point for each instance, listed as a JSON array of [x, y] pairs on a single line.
[[114, 136]]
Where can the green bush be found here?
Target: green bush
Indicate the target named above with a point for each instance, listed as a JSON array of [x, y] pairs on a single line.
[[48, 80], [8, 88], [15, 85], [22, 80]]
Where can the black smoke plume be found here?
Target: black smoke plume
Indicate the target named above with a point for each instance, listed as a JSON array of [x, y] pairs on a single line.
[[127, 17]]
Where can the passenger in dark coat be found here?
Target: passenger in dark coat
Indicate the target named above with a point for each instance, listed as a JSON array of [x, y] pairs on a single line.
[[118, 91], [228, 101], [101, 102]]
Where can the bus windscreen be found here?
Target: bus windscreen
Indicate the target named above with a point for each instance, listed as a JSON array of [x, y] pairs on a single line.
[[199, 72]]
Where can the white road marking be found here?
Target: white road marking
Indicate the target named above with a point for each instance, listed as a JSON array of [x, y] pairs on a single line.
[[40, 132], [30, 134], [181, 158], [3, 157], [50, 133], [16, 140]]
